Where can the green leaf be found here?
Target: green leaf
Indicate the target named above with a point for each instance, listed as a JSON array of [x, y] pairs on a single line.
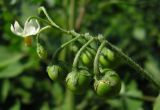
[[157, 103], [152, 66], [133, 91], [126, 102], [24, 94], [12, 70], [5, 87], [57, 93], [27, 81], [8, 57], [16, 106]]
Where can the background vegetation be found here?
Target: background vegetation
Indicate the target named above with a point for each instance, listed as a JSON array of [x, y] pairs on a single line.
[[132, 25]]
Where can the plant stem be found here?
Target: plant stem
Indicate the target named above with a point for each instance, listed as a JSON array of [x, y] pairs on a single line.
[[152, 77], [50, 20], [96, 60], [76, 59], [43, 29], [71, 13], [70, 99], [62, 47], [48, 17], [134, 65], [143, 98]]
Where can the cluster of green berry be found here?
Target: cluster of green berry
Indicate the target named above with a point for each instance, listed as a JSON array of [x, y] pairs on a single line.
[[79, 78]]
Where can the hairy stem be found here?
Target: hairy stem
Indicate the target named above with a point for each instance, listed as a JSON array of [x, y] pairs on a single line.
[[96, 60], [76, 59], [152, 77], [63, 46]]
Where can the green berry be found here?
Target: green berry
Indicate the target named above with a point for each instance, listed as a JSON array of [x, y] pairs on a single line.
[[78, 81], [109, 85], [55, 72], [87, 56], [106, 57], [41, 51]]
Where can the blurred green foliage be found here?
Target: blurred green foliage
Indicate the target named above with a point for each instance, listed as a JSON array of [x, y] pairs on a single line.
[[132, 25]]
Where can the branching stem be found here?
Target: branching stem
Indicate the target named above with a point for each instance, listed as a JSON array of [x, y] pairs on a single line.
[[153, 78], [63, 46]]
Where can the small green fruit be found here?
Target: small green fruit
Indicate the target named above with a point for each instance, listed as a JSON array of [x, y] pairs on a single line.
[[106, 57], [78, 81], [87, 56], [109, 85], [42, 53], [55, 72]]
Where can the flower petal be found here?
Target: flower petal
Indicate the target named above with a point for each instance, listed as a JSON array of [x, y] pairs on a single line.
[[12, 28], [16, 29], [30, 31], [31, 27], [37, 26]]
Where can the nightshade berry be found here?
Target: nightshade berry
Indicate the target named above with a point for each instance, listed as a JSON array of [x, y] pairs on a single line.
[[109, 85]]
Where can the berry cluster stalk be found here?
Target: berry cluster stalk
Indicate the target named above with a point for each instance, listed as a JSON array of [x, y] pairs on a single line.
[[150, 76]]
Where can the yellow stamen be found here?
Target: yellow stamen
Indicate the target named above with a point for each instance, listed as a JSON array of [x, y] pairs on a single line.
[[28, 41]]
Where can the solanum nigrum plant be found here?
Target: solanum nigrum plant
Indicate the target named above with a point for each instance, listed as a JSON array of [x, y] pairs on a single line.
[[107, 82]]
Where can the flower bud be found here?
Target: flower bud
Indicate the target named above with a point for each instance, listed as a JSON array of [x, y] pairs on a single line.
[[42, 53]]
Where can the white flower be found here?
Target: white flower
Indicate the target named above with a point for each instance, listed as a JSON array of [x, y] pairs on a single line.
[[31, 27]]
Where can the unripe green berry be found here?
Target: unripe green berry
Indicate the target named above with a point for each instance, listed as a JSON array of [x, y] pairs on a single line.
[[87, 56], [106, 57], [42, 53], [78, 81], [55, 72], [74, 48], [109, 85]]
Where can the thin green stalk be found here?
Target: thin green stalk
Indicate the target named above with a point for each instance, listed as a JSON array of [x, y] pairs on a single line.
[[71, 14], [50, 20], [153, 78], [37, 38], [43, 29], [76, 59], [48, 17], [38, 18], [63, 46], [96, 60], [142, 98]]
